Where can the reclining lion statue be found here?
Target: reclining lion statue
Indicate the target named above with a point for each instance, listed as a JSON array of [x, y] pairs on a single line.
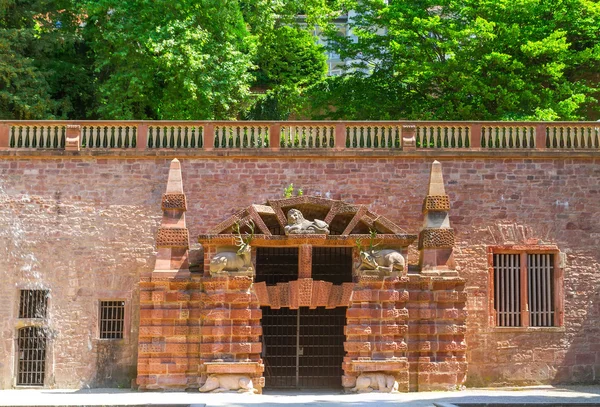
[[381, 382], [297, 225], [228, 382]]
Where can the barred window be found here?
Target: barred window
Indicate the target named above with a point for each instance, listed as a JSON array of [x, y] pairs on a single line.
[[112, 319], [31, 356], [524, 287], [33, 304]]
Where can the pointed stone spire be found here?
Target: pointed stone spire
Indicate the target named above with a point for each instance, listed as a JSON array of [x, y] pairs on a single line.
[[172, 239], [174, 182], [436, 239], [436, 180]]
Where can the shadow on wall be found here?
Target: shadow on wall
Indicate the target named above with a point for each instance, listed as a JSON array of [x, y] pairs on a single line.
[[112, 367], [581, 363]]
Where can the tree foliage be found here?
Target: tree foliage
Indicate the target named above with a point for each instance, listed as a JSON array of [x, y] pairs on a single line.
[[466, 59], [259, 59], [169, 59], [39, 73]]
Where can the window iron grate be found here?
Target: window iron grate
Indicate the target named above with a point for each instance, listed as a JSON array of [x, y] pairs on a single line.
[[333, 264], [112, 319], [507, 284], [276, 264], [33, 304], [31, 356], [540, 275]]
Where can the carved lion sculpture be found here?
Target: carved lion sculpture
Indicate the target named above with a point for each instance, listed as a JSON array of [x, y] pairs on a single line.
[[297, 225], [384, 261], [368, 382], [228, 382]]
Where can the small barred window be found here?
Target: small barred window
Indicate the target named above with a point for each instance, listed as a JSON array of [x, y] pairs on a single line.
[[33, 304], [524, 289], [112, 319]]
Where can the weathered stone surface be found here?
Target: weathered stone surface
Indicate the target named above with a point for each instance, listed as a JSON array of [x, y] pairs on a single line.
[[104, 213]]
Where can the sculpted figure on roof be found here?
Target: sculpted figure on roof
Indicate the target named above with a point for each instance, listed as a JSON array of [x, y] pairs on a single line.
[[297, 225]]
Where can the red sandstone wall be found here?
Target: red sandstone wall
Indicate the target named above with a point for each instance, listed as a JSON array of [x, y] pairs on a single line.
[[83, 227]]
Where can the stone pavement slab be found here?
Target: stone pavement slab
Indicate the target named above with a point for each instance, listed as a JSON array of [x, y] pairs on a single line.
[[541, 395]]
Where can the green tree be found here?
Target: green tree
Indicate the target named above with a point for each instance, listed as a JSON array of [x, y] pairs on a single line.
[[289, 61], [38, 42], [162, 59], [466, 59]]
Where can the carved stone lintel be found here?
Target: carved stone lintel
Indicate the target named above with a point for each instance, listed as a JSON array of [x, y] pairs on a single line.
[[297, 225]]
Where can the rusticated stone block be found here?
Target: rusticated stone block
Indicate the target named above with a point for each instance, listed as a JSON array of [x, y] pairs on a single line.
[[172, 237], [238, 298], [262, 293], [335, 296], [305, 261], [284, 294], [305, 292], [357, 346], [274, 297], [362, 295], [436, 238], [241, 283], [174, 201], [438, 203], [346, 294]]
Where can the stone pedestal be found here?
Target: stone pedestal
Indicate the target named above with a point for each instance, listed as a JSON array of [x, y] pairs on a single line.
[[376, 330], [230, 329]]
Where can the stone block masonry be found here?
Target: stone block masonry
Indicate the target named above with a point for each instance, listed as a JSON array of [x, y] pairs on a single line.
[[83, 226]]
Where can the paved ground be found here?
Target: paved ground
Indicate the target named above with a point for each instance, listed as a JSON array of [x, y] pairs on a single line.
[[563, 396]]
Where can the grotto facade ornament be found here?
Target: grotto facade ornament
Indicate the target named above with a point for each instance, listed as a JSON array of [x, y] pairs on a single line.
[[298, 225]]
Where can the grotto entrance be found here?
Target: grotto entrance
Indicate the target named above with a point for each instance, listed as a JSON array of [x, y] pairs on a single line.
[[303, 347]]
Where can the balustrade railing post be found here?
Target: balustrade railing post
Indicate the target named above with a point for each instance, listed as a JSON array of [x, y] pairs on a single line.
[[4, 136], [340, 136], [475, 134], [408, 138], [540, 136], [274, 136], [141, 137], [73, 137], [209, 136]]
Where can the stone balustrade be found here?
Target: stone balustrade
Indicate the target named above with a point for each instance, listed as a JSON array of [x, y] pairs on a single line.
[[298, 135]]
